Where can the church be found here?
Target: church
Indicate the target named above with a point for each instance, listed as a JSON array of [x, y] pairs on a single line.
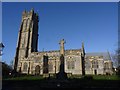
[[28, 60]]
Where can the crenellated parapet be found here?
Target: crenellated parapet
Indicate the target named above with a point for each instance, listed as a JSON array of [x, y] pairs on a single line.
[[30, 15]]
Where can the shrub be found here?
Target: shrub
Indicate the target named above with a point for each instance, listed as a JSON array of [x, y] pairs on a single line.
[[88, 77]]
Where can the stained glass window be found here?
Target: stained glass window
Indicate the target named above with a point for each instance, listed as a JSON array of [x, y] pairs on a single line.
[[25, 67], [50, 67], [70, 64]]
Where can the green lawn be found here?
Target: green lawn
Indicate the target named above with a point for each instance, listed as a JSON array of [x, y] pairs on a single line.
[[37, 82], [97, 77], [25, 78], [94, 77], [105, 77]]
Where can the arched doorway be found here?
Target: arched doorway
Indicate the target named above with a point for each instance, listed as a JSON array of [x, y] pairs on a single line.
[[37, 70], [95, 72]]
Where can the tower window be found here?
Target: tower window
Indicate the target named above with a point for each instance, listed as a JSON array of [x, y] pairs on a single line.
[[22, 45]]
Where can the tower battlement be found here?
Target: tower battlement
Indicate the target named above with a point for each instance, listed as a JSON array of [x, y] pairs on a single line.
[[29, 15]]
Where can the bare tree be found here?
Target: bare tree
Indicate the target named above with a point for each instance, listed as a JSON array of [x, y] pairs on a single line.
[[116, 60], [1, 48], [11, 64]]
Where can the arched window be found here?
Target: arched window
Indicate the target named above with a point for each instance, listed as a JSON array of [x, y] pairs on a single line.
[[50, 67], [95, 64], [37, 70], [25, 66], [106, 66], [28, 23], [71, 64], [24, 24]]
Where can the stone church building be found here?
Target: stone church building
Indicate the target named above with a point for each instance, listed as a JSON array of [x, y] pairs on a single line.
[[29, 60]]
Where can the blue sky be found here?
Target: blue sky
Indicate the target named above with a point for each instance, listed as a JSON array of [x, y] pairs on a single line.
[[96, 24]]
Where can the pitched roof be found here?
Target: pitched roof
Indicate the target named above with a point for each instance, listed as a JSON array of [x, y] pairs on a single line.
[[105, 55]]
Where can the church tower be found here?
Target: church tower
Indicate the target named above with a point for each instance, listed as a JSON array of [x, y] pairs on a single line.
[[28, 36]]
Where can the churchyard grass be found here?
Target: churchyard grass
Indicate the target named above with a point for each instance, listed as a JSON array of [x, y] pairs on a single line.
[[106, 77], [37, 82], [96, 77], [86, 77], [25, 78]]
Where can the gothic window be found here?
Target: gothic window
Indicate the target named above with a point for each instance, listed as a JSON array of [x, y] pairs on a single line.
[[37, 70], [50, 67], [94, 64], [70, 64], [23, 39], [25, 66], [24, 25], [28, 22], [106, 66]]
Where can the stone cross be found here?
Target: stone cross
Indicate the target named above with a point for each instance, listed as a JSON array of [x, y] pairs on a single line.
[[62, 75], [62, 42]]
